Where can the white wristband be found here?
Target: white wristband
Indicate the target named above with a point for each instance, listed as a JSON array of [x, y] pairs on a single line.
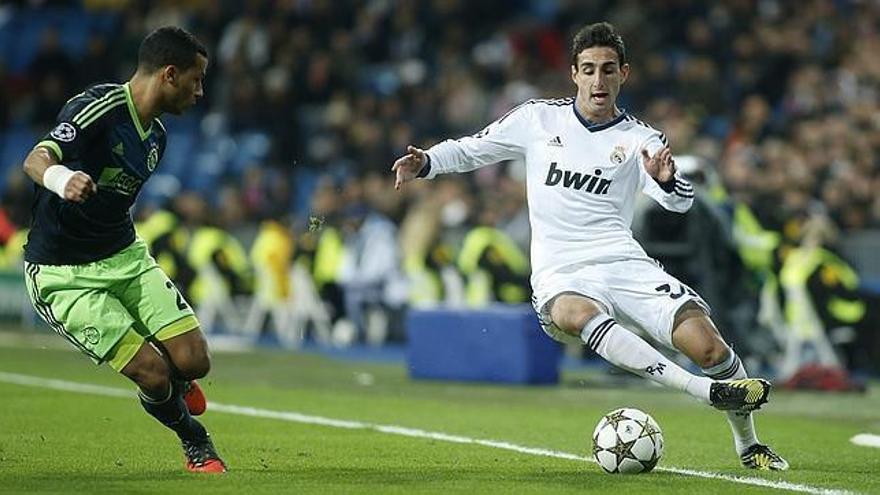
[[55, 179]]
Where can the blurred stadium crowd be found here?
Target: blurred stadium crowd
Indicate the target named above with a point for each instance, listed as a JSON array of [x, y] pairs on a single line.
[[281, 178]]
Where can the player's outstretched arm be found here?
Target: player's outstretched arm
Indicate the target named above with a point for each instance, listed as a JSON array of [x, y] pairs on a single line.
[[43, 168], [503, 139], [408, 166]]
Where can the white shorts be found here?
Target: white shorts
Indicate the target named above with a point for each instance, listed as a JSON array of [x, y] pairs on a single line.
[[637, 293]]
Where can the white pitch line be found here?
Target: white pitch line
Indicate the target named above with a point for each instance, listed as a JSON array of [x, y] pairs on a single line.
[[85, 388], [866, 440]]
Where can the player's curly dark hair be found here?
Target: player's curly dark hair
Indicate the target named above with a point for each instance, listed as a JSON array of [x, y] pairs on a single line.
[[169, 45], [598, 34]]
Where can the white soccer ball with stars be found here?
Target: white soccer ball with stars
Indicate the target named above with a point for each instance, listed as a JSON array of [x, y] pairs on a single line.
[[627, 441]]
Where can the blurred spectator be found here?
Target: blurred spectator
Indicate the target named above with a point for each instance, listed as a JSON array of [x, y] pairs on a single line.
[[93, 67], [16, 199], [370, 273], [51, 71], [168, 239], [494, 267], [271, 256]]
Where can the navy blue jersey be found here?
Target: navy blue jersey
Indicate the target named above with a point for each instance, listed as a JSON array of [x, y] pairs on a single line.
[[98, 132]]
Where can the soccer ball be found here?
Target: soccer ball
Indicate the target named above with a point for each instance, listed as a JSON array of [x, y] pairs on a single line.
[[627, 441]]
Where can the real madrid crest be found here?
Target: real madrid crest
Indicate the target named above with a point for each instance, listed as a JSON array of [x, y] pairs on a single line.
[[618, 155], [153, 158]]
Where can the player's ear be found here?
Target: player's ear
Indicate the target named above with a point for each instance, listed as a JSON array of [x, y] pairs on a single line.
[[624, 73], [170, 74], [574, 72]]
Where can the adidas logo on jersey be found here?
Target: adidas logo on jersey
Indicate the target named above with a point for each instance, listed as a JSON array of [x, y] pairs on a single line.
[[555, 142], [576, 180]]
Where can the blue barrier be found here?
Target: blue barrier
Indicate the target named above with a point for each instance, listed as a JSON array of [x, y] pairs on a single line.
[[497, 344]]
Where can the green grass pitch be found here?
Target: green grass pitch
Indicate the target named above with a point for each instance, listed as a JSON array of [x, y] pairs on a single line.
[[55, 441]]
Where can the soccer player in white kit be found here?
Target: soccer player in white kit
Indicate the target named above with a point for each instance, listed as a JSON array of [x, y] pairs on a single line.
[[585, 161]]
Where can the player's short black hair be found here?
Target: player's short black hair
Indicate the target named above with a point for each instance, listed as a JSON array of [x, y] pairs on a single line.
[[169, 45], [598, 34]]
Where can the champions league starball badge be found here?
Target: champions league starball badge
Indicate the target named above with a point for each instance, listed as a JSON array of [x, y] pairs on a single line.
[[64, 132]]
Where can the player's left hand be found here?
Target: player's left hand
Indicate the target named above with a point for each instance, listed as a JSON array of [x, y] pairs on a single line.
[[407, 167], [661, 166]]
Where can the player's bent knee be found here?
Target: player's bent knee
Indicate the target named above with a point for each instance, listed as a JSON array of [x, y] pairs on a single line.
[[695, 335], [572, 312], [690, 311], [149, 370], [197, 362], [197, 366], [713, 354], [189, 353], [192, 362]]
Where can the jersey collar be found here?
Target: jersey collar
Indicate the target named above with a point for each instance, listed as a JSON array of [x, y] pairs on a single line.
[[144, 134], [594, 127]]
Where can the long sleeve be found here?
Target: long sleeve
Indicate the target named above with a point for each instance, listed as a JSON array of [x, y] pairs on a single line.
[[504, 139], [676, 195]]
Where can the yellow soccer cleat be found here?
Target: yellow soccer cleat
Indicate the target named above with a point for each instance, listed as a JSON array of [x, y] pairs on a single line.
[[745, 395], [763, 458]]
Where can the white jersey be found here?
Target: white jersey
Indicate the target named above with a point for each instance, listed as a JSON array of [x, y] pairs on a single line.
[[582, 180]]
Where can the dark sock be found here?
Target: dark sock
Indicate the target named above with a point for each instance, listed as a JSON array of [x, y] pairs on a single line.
[[171, 411]]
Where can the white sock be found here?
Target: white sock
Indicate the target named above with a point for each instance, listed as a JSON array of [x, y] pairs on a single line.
[[163, 398], [625, 350], [741, 424]]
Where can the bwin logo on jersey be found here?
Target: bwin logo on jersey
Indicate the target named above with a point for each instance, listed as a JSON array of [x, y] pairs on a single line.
[[576, 180]]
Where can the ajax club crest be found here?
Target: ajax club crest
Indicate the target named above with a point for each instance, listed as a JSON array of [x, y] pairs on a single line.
[[618, 155], [153, 158], [91, 335]]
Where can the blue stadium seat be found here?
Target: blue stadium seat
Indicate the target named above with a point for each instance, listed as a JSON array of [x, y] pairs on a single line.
[[15, 145], [187, 123], [178, 157], [871, 285], [303, 181], [250, 147], [75, 35], [21, 36], [205, 171], [158, 190]]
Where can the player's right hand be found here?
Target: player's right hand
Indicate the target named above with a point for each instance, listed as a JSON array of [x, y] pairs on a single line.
[[79, 187], [408, 166]]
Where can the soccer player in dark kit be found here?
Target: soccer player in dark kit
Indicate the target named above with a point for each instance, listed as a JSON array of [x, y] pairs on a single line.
[[88, 274]]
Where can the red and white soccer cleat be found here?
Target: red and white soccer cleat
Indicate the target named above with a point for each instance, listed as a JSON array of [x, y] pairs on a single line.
[[201, 457], [195, 399]]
